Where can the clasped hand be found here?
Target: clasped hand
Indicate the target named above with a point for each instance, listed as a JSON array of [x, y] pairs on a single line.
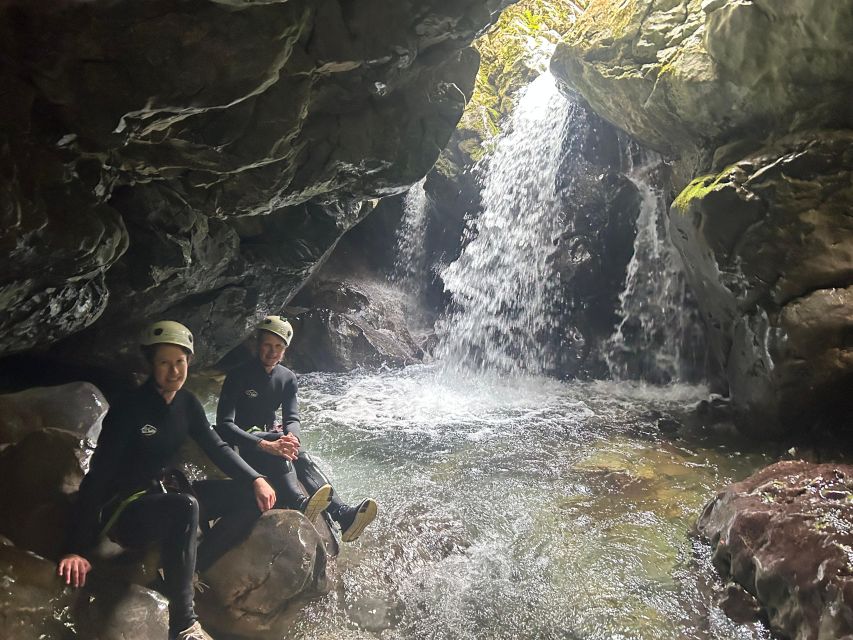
[[286, 446]]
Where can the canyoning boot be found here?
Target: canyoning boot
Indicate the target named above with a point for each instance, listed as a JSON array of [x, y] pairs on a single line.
[[193, 632], [353, 520], [317, 503]]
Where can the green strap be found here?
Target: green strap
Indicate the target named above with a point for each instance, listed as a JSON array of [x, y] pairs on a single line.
[[255, 430], [121, 507]]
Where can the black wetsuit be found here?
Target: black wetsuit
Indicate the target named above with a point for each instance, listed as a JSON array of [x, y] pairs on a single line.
[[250, 398], [140, 438]]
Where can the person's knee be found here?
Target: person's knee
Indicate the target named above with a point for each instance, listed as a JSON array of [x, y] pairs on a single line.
[[185, 508]]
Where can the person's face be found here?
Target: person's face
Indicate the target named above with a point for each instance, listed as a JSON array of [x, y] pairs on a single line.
[[271, 349], [169, 367]]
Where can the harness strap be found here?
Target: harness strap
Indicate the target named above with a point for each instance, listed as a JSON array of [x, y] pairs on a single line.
[[118, 510]]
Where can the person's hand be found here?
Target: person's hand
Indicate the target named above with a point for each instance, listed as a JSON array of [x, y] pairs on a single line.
[[286, 447], [73, 569], [264, 494]]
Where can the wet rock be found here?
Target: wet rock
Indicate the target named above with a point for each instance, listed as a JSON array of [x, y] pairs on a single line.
[[78, 407], [668, 425], [40, 475], [36, 605], [740, 605], [768, 248], [257, 588], [785, 535], [357, 322], [136, 136]]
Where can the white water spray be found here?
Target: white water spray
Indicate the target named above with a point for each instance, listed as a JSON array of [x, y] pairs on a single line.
[[410, 261], [504, 286], [654, 305]]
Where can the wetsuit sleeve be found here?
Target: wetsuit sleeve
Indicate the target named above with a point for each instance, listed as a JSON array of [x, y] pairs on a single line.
[[226, 410], [215, 447], [290, 409], [99, 483]]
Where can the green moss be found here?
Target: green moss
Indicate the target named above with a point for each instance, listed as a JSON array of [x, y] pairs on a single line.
[[512, 54], [608, 19], [701, 187]]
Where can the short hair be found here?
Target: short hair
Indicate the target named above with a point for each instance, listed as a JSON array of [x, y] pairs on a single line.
[[148, 351], [260, 334]]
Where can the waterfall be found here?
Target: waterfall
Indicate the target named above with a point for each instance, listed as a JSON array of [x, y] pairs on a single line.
[[503, 286], [410, 260], [657, 324]]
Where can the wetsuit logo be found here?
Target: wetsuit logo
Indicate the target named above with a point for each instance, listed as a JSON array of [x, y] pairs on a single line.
[[148, 430], [251, 393]]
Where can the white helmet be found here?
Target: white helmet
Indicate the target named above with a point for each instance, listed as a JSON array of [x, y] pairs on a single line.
[[168, 332], [279, 326]]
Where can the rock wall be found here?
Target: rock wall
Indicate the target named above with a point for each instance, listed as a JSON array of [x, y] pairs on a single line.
[[750, 102], [199, 160]]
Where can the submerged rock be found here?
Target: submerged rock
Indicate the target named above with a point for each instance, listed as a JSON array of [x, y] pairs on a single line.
[[256, 589], [78, 407], [785, 535]]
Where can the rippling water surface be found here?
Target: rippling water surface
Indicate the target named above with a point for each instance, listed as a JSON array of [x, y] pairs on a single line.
[[516, 509]]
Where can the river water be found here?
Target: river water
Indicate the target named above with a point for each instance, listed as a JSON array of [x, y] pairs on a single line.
[[516, 508]]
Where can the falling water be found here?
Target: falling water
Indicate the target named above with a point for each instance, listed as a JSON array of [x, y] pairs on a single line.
[[503, 285], [410, 261], [657, 323]]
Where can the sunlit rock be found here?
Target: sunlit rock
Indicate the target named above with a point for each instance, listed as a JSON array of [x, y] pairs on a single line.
[[687, 75], [784, 534], [78, 407], [768, 248], [36, 605], [257, 588]]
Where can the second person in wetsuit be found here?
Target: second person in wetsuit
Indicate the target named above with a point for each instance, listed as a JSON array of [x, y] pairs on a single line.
[[125, 494], [246, 416]]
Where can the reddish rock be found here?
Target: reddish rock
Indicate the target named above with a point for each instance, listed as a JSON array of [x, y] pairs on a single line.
[[786, 535]]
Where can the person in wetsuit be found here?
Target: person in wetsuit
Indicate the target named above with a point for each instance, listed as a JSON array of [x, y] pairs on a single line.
[[124, 496], [246, 416]]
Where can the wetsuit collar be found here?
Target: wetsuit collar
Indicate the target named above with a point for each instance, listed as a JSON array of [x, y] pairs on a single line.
[[151, 390], [261, 367]]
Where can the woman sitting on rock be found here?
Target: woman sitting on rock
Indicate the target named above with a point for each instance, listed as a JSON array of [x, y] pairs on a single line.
[[125, 496]]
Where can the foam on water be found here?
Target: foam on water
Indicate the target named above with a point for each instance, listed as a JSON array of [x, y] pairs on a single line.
[[515, 508]]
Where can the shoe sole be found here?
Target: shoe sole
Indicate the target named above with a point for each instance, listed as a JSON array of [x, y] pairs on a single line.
[[318, 503], [366, 513]]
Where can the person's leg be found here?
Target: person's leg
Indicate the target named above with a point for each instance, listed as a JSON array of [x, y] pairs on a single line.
[[233, 503], [170, 519], [352, 519], [312, 478]]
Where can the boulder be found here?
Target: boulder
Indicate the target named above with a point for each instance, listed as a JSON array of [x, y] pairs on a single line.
[[36, 605], [40, 475], [784, 535], [354, 322], [768, 249], [257, 588], [78, 407]]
